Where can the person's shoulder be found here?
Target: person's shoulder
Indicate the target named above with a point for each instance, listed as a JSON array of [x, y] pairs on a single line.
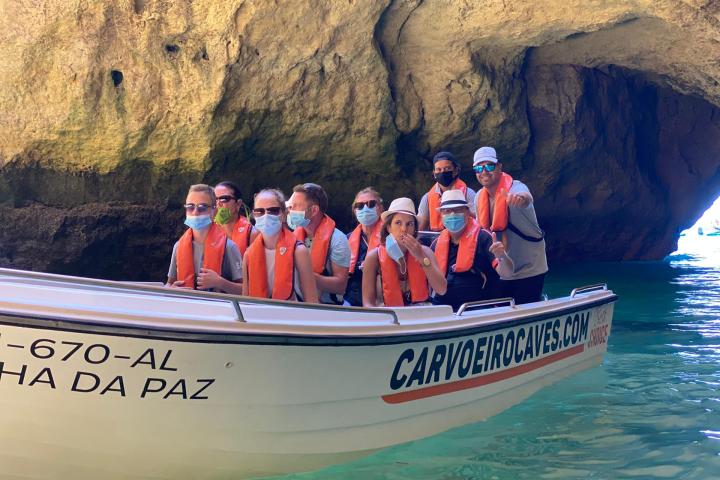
[[518, 186], [338, 237]]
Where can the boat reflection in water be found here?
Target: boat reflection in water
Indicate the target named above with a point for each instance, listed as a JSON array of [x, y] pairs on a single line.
[[108, 380]]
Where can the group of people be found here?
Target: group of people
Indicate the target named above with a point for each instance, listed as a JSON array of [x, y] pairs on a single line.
[[488, 244]]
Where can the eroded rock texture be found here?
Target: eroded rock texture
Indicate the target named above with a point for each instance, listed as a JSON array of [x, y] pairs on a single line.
[[108, 110]]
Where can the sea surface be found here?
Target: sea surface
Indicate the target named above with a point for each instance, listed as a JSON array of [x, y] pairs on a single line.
[[651, 410]]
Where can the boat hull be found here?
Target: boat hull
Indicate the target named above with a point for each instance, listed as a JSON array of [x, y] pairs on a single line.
[[93, 399]]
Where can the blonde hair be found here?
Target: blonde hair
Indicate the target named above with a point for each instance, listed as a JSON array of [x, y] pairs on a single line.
[[371, 191], [275, 192], [201, 187]]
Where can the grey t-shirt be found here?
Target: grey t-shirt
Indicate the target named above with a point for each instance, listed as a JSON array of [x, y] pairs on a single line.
[[231, 266], [424, 207], [338, 253], [528, 257]]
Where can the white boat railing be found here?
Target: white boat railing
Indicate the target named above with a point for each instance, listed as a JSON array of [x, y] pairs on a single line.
[[493, 302], [588, 288], [246, 309], [140, 288]]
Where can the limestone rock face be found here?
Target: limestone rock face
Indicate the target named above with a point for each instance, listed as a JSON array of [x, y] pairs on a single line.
[[109, 110]]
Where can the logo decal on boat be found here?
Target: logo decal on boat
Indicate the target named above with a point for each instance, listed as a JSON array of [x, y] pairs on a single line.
[[471, 362]]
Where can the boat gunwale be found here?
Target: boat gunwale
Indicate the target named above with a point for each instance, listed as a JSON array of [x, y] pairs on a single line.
[[386, 337]]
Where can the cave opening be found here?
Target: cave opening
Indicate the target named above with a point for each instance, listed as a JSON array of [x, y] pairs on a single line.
[[703, 238]]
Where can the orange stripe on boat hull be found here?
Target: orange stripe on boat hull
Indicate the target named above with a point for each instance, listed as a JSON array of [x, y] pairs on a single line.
[[459, 385]]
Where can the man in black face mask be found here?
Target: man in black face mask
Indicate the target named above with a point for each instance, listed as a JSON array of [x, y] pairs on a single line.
[[445, 171]]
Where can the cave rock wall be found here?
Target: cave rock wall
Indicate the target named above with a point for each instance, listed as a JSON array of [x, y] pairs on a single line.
[[109, 110]]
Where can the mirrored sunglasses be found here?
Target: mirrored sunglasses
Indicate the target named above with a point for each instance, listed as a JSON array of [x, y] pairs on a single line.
[[490, 167]]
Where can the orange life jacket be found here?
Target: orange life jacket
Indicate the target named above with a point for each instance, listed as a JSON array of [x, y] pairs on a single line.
[[284, 267], [212, 256], [390, 275], [320, 244], [241, 234], [355, 238], [434, 198], [500, 210], [466, 249]]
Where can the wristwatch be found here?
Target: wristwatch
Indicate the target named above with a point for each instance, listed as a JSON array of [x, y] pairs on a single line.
[[426, 262]]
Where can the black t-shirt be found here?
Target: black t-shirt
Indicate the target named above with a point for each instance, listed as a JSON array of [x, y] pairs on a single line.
[[481, 282], [353, 292]]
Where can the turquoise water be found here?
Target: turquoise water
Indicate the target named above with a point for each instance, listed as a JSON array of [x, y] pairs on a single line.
[[652, 410]]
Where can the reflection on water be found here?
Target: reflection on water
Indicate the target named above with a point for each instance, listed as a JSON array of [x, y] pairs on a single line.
[[652, 410]]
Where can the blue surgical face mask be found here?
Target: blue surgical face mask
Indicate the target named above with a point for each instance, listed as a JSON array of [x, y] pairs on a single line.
[[393, 249], [296, 218], [268, 224], [454, 222], [198, 222], [367, 216]]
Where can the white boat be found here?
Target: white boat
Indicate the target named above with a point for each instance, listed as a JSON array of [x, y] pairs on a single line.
[[108, 380]]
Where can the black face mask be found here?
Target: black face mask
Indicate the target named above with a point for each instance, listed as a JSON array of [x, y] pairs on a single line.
[[445, 178]]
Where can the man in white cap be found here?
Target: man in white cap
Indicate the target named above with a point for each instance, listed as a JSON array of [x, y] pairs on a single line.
[[470, 258], [505, 206]]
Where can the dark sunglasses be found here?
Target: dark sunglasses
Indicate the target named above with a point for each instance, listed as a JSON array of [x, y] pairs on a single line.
[[369, 203], [259, 212], [490, 167], [200, 207], [225, 198]]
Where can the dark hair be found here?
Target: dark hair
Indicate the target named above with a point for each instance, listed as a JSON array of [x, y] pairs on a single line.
[[314, 194], [232, 186], [386, 223], [445, 156]]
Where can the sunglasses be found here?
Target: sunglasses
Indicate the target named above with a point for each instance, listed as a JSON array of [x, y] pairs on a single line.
[[490, 167], [446, 211], [200, 207], [225, 198], [369, 203], [259, 212]]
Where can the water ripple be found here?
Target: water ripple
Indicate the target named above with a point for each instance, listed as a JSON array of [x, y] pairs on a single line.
[[651, 411]]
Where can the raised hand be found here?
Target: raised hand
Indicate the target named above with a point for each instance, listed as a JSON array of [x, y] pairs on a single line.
[[412, 246], [518, 200], [497, 248]]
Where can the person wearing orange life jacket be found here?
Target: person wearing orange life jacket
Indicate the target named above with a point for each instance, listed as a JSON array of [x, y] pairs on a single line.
[[445, 171], [367, 208], [470, 257], [401, 271], [505, 206], [204, 258], [230, 215], [276, 265], [329, 248]]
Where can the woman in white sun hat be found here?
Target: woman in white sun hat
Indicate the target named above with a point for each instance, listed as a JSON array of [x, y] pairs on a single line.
[[401, 271]]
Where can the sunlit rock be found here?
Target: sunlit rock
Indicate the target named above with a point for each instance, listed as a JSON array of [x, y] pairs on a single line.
[[607, 110]]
